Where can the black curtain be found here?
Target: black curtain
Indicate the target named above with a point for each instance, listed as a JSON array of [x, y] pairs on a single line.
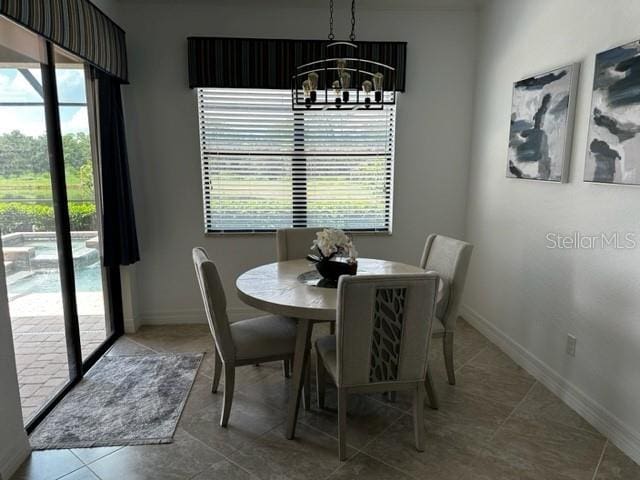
[[120, 241], [270, 63]]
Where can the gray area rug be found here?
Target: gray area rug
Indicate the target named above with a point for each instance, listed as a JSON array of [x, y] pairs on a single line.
[[124, 400]]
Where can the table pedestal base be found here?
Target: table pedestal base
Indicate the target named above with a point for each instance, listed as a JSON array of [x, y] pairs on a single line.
[[298, 377]]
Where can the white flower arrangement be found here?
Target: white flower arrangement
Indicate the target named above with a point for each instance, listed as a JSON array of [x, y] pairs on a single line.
[[332, 242]]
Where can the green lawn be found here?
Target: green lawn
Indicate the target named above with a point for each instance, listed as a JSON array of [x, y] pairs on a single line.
[[37, 188], [350, 200]]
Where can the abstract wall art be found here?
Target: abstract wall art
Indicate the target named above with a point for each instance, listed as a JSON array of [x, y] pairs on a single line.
[[613, 146], [542, 111]]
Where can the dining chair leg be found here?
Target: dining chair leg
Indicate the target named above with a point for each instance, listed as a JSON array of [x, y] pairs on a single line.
[[229, 383], [418, 416], [306, 398], [431, 391], [332, 328], [447, 344], [342, 424], [320, 380], [217, 370], [286, 368], [303, 338]]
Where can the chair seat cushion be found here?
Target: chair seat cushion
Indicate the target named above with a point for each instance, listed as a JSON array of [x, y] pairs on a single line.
[[263, 337], [326, 349]]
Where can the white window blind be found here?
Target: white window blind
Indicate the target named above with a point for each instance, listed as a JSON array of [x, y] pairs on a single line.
[[266, 167]]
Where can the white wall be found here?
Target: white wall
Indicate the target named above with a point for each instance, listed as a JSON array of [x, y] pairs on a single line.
[[433, 138], [14, 447], [525, 295], [110, 7]]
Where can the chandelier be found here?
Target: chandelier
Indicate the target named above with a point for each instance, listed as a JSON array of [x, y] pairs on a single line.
[[343, 81]]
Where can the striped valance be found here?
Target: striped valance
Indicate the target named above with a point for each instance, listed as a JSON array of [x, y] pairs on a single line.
[[270, 63], [77, 26]]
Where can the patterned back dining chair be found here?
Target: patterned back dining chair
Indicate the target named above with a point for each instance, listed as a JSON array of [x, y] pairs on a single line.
[[381, 342], [450, 258], [262, 339]]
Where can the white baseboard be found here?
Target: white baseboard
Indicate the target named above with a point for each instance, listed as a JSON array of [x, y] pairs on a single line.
[[195, 316], [17, 453], [602, 419]]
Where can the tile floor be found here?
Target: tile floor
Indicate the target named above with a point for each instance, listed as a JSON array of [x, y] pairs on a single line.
[[497, 423]]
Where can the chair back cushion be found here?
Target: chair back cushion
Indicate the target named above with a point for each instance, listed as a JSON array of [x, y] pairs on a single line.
[[442, 302], [383, 327], [295, 243], [450, 258], [215, 303]]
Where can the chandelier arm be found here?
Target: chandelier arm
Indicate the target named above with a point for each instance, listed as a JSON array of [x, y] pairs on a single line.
[[331, 35], [352, 37]]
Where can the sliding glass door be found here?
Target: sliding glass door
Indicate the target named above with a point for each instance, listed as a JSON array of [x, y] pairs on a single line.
[[29, 236], [61, 300], [72, 87]]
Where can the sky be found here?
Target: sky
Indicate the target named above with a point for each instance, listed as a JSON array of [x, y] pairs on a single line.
[[30, 120]]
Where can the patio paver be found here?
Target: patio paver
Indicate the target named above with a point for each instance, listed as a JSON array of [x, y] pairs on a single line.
[[40, 345]]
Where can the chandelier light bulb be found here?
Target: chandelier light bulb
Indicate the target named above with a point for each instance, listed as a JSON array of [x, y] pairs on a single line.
[[306, 88], [309, 95], [378, 80], [345, 80], [366, 88], [337, 89], [312, 78], [378, 83]]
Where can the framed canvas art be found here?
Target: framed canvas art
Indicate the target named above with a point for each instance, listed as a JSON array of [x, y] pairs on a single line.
[[613, 145], [542, 111]]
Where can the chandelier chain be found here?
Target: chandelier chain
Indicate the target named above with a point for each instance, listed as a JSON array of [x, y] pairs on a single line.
[[331, 34], [352, 37]]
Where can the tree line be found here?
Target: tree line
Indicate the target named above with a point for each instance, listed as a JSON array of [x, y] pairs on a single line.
[[22, 154]]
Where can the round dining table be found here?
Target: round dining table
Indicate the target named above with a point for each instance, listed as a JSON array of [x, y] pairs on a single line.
[[294, 289]]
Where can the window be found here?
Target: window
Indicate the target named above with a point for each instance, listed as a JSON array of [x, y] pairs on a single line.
[[266, 167]]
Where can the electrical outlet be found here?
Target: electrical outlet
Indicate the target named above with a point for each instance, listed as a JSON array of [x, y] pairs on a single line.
[[571, 345]]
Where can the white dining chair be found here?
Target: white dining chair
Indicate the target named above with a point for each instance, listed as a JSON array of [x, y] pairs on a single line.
[[450, 258], [262, 339], [383, 331], [295, 243]]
